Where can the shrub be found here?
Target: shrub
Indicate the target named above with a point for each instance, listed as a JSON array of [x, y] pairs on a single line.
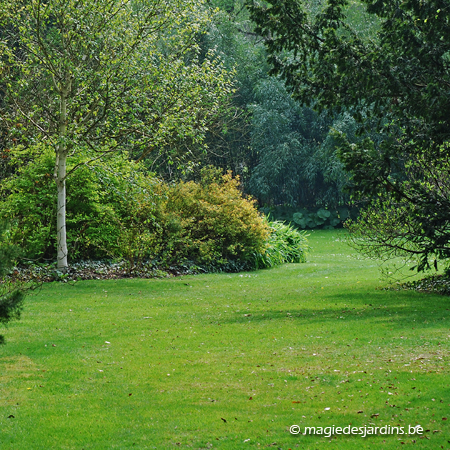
[[285, 245], [28, 201], [211, 223], [141, 224], [116, 211], [100, 200]]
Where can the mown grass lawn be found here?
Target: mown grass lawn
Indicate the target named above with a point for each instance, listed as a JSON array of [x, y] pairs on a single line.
[[228, 361]]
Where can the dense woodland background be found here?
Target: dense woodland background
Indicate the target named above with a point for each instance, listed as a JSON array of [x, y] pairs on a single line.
[[283, 152]]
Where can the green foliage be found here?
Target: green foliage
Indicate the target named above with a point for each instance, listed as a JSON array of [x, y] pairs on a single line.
[[28, 201], [100, 201], [115, 211], [131, 74], [285, 245], [12, 292], [415, 226], [230, 36], [283, 153], [105, 76], [211, 223], [139, 223], [325, 218], [393, 80], [208, 224], [312, 217], [296, 158]]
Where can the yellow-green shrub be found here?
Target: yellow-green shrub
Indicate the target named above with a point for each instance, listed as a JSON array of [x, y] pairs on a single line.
[[211, 223]]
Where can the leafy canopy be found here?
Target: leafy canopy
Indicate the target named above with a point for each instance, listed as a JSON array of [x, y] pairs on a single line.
[[131, 72], [103, 76], [394, 79]]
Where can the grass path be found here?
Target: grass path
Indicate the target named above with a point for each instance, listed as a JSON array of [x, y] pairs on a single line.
[[228, 361]]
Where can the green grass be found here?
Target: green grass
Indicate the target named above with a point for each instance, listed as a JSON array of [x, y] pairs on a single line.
[[228, 361]]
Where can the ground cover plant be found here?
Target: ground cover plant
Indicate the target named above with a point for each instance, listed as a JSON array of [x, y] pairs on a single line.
[[228, 361]]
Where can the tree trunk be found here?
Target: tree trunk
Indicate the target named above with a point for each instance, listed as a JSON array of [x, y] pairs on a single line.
[[60, 175], [61, 237]]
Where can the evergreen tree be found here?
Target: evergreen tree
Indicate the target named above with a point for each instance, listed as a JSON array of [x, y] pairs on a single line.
[[11, 293]]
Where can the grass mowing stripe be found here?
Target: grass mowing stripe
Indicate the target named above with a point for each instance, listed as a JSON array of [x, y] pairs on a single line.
[[228, 361]]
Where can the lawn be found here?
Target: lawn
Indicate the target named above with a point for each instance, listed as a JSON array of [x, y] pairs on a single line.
[[229, 361]]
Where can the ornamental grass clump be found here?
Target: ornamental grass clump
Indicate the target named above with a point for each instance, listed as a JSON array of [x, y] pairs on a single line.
[[285, 245]]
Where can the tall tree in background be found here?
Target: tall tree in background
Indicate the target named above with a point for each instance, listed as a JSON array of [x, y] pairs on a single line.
[[395, 80], [230, 34], [95, 77], [297, 163], [281, 150]]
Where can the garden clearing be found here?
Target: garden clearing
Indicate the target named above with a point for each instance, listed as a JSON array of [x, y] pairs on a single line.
[[229, 361]]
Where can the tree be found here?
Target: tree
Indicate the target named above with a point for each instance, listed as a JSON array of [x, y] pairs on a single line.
[[12, 291], [393, 77], [103, 76], [281, 150], [297, 162]]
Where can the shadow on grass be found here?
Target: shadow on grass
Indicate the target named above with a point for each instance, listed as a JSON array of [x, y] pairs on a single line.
[[399, 308]]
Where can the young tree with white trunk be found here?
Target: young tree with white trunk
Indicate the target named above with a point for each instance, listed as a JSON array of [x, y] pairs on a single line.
[[100, 76]]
